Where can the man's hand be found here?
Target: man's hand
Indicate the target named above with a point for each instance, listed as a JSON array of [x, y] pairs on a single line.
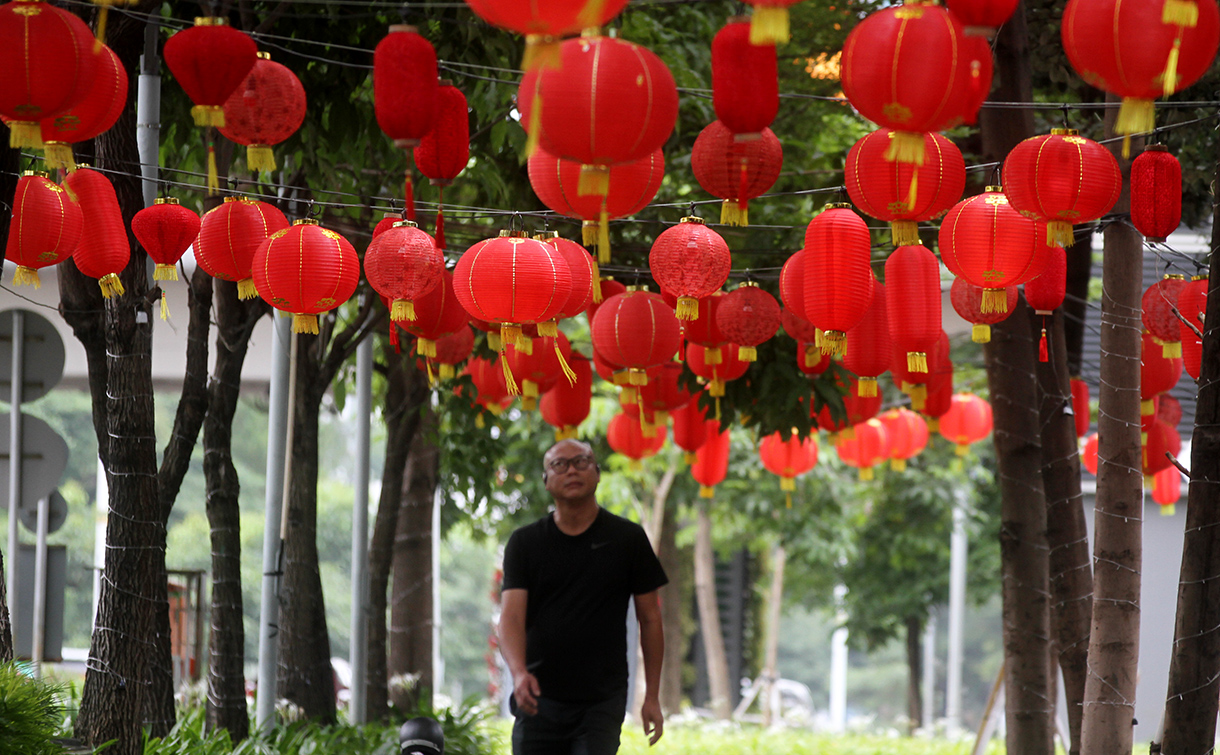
[[653, 719], [525, 692]]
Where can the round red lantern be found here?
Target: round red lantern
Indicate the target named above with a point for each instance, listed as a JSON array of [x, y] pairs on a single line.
[[792, 285], [1169, 410], [1158, 374], [93, 115], [866, 447], [604, 288], [1161, 446], [1158, 304], [982, 17], [306, 270], [490, 391], [626, 437], [165, 230], [444, 151], [967, 300], [1082, 412], [584, 272], [437, 313], [402, 265], [869, 347], [1044, 292], [543, 24], [690, 261], [967, 421], [452, 349], [856, 409], [913, 303], [788, 457], [539, 367], [103, 250], [210, 60], [748, 316], [907, 433], [637, 330], [664, 393], [745, 81], [1192, 303], [735, 171], [1062, 178], [566, 405], [810, 359], [703, 329], [903, 193], [717, 365], [690, 427], [1156, 193], [1088, 456], [49, 66], [1167, 489], [711, 460], [838, 277], [229, 236], [405, 85], [44, 230], [267, 108]]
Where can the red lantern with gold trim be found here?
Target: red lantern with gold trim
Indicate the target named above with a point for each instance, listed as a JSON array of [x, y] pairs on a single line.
[[1158, 374], [93, 115], [566, 405], [788, 457], [210, 60], [810, 359], [1081, 411], [864, 448], [45, 227], [711, 460], [748, 316], [1162, 443], [306, 270], [745, 81], [627, 438], [967, 301], [1156, 193], [543, 24], [1192, 303], [452, 349], [735, 171], [229, 236], [1167, 489], [1044, 292], [638, 330], [539, 368], [690, 427], [490, 390], [690, 261], [664, 393], [165, 230], [267, 108], [869, 347], [403, 264], [967, 421], [607, 287], [717, 365], [584, 271], [703, 330], [437, 314], [856, 409], [982, 17], [103, 250], [907, 433], [838, 277], [912, 301]]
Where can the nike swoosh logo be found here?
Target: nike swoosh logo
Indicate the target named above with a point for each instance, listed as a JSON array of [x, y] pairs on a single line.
[[595, 546]]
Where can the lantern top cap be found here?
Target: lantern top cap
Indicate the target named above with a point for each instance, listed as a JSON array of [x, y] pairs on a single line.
[[994, 189], [405, 224], [305, 221], [737, 20], [211, 21], [444, 82], [838, 206], [1064, 132], [693, 219], [263, 55], [546, 235], [1156, 148], [513, 234], [1198, 277], [748, 284], [33, 173], [408, 28], [1175, 277], [165, 200], [230, 199]]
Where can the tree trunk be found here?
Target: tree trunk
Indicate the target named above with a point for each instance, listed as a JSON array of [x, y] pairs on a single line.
[[411, 674], [1109, 699], [1076, 303], [1071, 576], [775, 602], [674, 597], [914, 673], [6, 629], [709, 616], [1194, 668]]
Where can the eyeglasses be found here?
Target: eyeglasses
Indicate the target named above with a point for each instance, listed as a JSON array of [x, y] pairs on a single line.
[[579, 463]]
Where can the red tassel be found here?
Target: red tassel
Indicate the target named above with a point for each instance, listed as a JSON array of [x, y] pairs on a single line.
[[394, 338], [408, 192], [1042, 353], [743, 186], [440, 221]]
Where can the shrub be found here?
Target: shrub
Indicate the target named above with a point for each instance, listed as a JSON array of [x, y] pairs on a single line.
[[30, 713]]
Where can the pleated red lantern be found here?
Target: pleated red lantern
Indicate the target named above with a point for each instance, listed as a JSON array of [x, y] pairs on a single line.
[[267, 108], [938, 394], [745, 81], [1088, 456], [719, 367], [748, 316], [1161, 446], [1044, 292], [611, 102], [703, 330], [869, 348], [386, 223], [229, 236], [865, 448], [49, 66], [986, 241], [1082, 413], [405, 85], [903, 194], [1167, 489], [690, 428], [452, 349], [1169, 410], [566, 405], [907, 433], [584, 271], [690, 261], [1156, 193], [788, 457], [543, 24], [165, 230], [306, 270], [210, 60], [1061, 178], [627, 438], [538, 369], [1158, 374], [856, 409], [632, 186], [810, 359], [403, 264], [711, 460], [488, 378], [982, 17], [103, 250], [44, 230], [735, 171], [638, 330], [606, 287], [904, 68], [797, 327], [1192, 303], [437, 314], [1140, 51], [838, 277], [913, 303], [93, 115], [792, 284], [664, 392], [967, 301], [444, 151], [769, 22], [982, 68], [967, 421]]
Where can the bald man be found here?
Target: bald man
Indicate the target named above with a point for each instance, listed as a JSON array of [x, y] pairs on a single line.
[[568, 578]]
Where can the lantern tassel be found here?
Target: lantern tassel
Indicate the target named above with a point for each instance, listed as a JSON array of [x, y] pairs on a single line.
[[636, 376], [933, 424], [431, 376], [647, 429], [834, 343], [541, 51], [259, 157], [534, 130], [597, 282], [904, 232], [1167, 510], [787, 483], [548, 329], [408, 195], [1170, 79], [563, 365], [689, 458], [25, 134], [629, 395], [213, 173], [209, 115], [594, 181], [981, 332], [769, 26], [716, 389], [494, 342], [898, 465], [1043, 355], [905, 147], [917, 361], [394, 338], [788, 500], [866, 387], [712, 355], [913, 190], [402, 309], [165, 272], [509, 382], [111, 285], [305, 324], [164, 307], [706, 492], [58, 156], [591, 14], [1180, 13], [687, 309], [445, 371], [26, 276], [588, 232], [1135, 116], [866, 474], [440, 220], [919, 396], [603, 237], [247, 290], [102, 16], [1058, 233], [747, 353], [994, 300], [1171, 349], [426, 347], [524, 344]]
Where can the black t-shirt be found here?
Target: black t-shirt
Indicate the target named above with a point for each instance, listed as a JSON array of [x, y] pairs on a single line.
[[579, 588]]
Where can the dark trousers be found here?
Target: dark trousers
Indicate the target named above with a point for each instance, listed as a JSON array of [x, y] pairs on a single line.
[[560, 728]]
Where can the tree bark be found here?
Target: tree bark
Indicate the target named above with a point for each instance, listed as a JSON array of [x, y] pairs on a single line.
[[411, 673], [1071, 576], [709, 616], [674, 597], [914, 638], [1109, 699], [1194, 668], [6, 628], [1076, 303], [775, 602]]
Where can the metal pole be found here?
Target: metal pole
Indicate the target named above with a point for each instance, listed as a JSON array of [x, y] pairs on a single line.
[[37, 644], [438, 661], [101, 521], [358, 654], [957, 613], [277, 431], [929, 673], [14, 451], [148, 113], [838, 667]]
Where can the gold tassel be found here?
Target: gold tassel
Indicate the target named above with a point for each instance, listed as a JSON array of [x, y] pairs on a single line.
[[402, 309], [493, 341], [426, 347], [747, 353], [259, 157], [213, 173], [689, 458], [716, 389], [58, 156], [647, 429], [866, 474], [866, 387], [597, 282], [25, 134], [620, 378], [428, 370], [706, 492], [524, 344], [529, 403], [898, 465], [961, 449], [246, 289], [1170, 78], [445, 371], [917, 361], [834, 343], [734, 213], [981, 332], [509, 333], [788, 500], [26, 276], [1167, 509], [687, 309], [594, 181], [1135, 116], [848, 433], [769, 26], [904, 232], [787, 483], [905, 147], [535, 129], [305, 324], [660, 418], [913, 189], [548, 329], [591, 14], [712, 355], [588, 232], [164, 307], [1147, 408], [209, 115], [628, 395], [541, 51], [1180, 13], [812, 356], [111, 285], [529, 388], [509, 382], [563, 365], [933, 424], [636, 376], [1171, 349], [994, 300], [1058, 233], [603, 237], [919, 396], [479, 422], [165, 273]]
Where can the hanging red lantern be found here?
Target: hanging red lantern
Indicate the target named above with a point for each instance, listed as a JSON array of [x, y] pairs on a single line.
[[986, 241], [306, 270], [405, 85], [444, 151], [386, 223], [690, 261], [402, 265], [544, 24], [748, 316], [982, 17], [913, 303], [1158, 374], [788, 457], [1063, 179], [887, 190], [1162, 445], [210, 60], [1044, 292], [869, 348], [916, 384], [1169, 410], [810, 359], [437, 314], [838, 277], [452, 349], [690, 427], [745, 81], [967, 300], [856, 409], [664, 392], [1192, 303], [967, 421], [1167, 489], [607, 287], [538, 368], [711, 460], [49, 66], [938, 397], [1158, 305], [103, 250], [627, 438], [769, 22], [229, 236], [165, 230], [44, 230], [267, 108], [982, 68], [904, 68], [1082, 413], [717, 365], [584, 272], [907, 433], [637, 330], [1156, 193], [490, 390], [1088, 456], [93, 115], [703, 330], [566, 405], [792, 285], [735, 171], [866, 447]]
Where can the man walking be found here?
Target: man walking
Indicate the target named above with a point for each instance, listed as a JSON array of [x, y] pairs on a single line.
[[563, 617]]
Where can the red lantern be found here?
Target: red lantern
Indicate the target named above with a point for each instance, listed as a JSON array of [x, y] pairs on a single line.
[[907, 433], [104, 250], [444, 151], [606, 287], [982, 17], [267, 108], [745, 81], [866, 447], [982, 68], [938, 398], [1140, 51], [452, 349], [229, 236], [886, 190], [93, 115], [566, 405], [1081, 411], [838, 277], [788, 457], [904, 68], [1044, 293], [916, 384], [539, 368], [869, 346], [627, 438], [711, 460], [1192, 303], [769, 23], [703, 330], [165, 230], [437, 314], [1169, 410], [1158, 374], [792, 285], [1159, 302], [584, 272], [306, 270], [490, 391], [986, 241], [44, 230], [405, 85], [748, 316], [690, 261], [543, 24], [1088, 456], [913, 303], [1156, 193], [1062, 178], [210, 60], [690, 428], [797, 327], [46, 56], [637, 330], [664, 393], [856, 409], [967, 300], [735, 171], [1167, 488], [967, 421], [402, 265], [1162, 445], [810, 359], [717, 365]]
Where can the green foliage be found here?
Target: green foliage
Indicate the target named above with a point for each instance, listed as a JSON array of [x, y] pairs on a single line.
[[734, 739], [31, 714]]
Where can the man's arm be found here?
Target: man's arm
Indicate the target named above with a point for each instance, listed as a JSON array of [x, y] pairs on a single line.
[[652, 644], [512, 647]]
